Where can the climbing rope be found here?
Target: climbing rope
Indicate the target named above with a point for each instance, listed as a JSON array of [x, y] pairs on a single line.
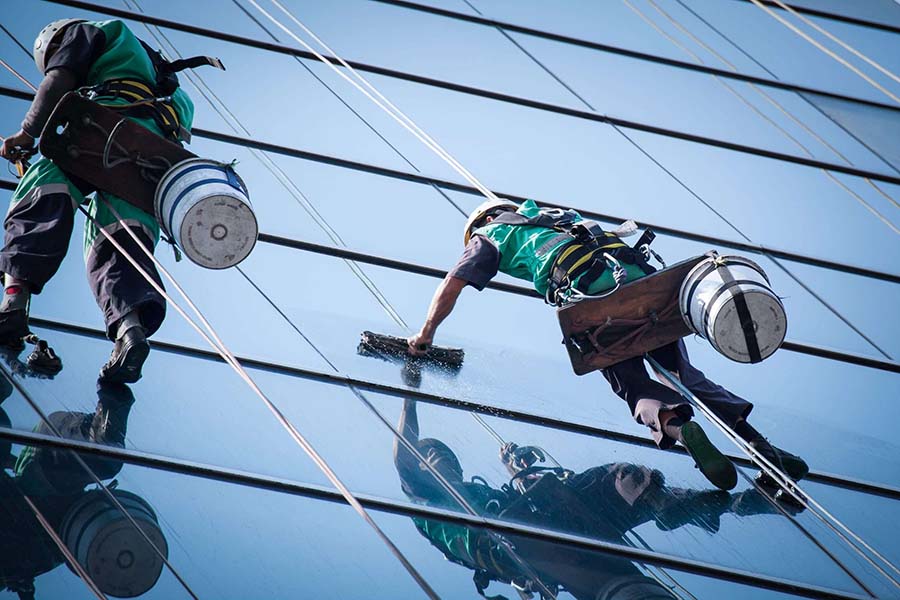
[[829, 53], [787, 484]]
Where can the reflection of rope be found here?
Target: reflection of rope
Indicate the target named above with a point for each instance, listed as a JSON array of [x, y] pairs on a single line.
[[96, 479], [786, 483], [64, 550], [367, 89], [828, 52], [235, 124], [670, 582], [868, 206], [213, 339]]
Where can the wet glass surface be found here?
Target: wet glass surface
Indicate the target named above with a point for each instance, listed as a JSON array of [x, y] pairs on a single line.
[[229, 540]]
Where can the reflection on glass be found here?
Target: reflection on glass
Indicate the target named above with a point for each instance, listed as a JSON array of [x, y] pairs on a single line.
[[877, 128], [52, 483], [605, 502]]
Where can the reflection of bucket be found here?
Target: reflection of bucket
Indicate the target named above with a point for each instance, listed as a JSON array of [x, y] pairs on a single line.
[[111, 550], [204, 206], [728, 301]]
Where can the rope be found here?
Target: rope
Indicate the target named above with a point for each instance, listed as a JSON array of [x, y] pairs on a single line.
[[825, 50], [361, 84], [77, 457], [355, 113], [235, 124], [837, 40], [216, 343], [96, 479], [448, 487], [786, 483]]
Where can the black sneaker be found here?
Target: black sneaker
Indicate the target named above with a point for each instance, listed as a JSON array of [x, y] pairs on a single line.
[[700, 508], [790, 464], [714, 465], [127, 358]]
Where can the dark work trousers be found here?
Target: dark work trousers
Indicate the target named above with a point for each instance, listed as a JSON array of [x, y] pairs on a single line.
[[37, 231], [647, 397]]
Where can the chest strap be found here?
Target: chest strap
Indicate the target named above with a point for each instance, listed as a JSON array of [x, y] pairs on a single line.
[[577, 259]]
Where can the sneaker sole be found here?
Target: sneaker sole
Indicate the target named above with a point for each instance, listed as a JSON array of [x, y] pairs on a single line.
[[714, 465], [128, 368]]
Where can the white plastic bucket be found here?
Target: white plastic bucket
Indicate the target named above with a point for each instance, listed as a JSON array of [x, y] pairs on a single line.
[[107, 545], [727, 300], [204, 206]]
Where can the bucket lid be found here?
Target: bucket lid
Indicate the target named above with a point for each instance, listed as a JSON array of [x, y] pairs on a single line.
[[121, 561], [768, 326], [218, 232]]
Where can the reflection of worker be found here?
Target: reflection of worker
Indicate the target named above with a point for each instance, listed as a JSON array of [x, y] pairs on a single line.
[[106, 56], [54, 482], [603, 502], [562, 255]]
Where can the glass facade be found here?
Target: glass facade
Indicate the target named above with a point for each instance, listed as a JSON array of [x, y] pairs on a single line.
[[783, 155]]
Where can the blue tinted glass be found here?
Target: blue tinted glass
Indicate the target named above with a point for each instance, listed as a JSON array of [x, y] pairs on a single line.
[[878, 11]]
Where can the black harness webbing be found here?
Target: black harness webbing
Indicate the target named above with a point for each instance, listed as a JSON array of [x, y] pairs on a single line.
[[153, 100], [144, 104], [582, 258]]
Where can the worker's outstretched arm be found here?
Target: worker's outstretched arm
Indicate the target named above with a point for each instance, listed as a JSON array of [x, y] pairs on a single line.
[[408, 426], [441, 306]]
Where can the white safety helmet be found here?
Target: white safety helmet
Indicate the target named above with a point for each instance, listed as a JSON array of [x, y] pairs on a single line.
[[483, 210], [45, 37]]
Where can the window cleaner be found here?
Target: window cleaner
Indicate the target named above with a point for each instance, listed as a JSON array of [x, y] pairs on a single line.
[[576, 265]]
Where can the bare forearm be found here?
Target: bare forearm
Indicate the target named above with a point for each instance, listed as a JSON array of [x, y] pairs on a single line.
[[442, 304], [408, 426]]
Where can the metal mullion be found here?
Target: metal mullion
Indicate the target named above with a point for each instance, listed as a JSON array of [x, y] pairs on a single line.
[[282, 485], [459, 404]]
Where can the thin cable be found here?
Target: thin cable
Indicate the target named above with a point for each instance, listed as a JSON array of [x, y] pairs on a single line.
[[884, 219], [18, 75], [464, 504], [229, 358], [277, 172], [815, 295], [699, 60], [802, 95], [838, 41], [786, 483], [96, 479], [355, 113], [16, 40], [371, 93], [110, 496], [828, 52], [63, 549]]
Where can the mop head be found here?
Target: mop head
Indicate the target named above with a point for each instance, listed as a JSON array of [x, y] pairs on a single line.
[[386, 346]]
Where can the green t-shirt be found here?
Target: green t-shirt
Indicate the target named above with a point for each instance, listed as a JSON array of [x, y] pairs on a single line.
[[528, 251]]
